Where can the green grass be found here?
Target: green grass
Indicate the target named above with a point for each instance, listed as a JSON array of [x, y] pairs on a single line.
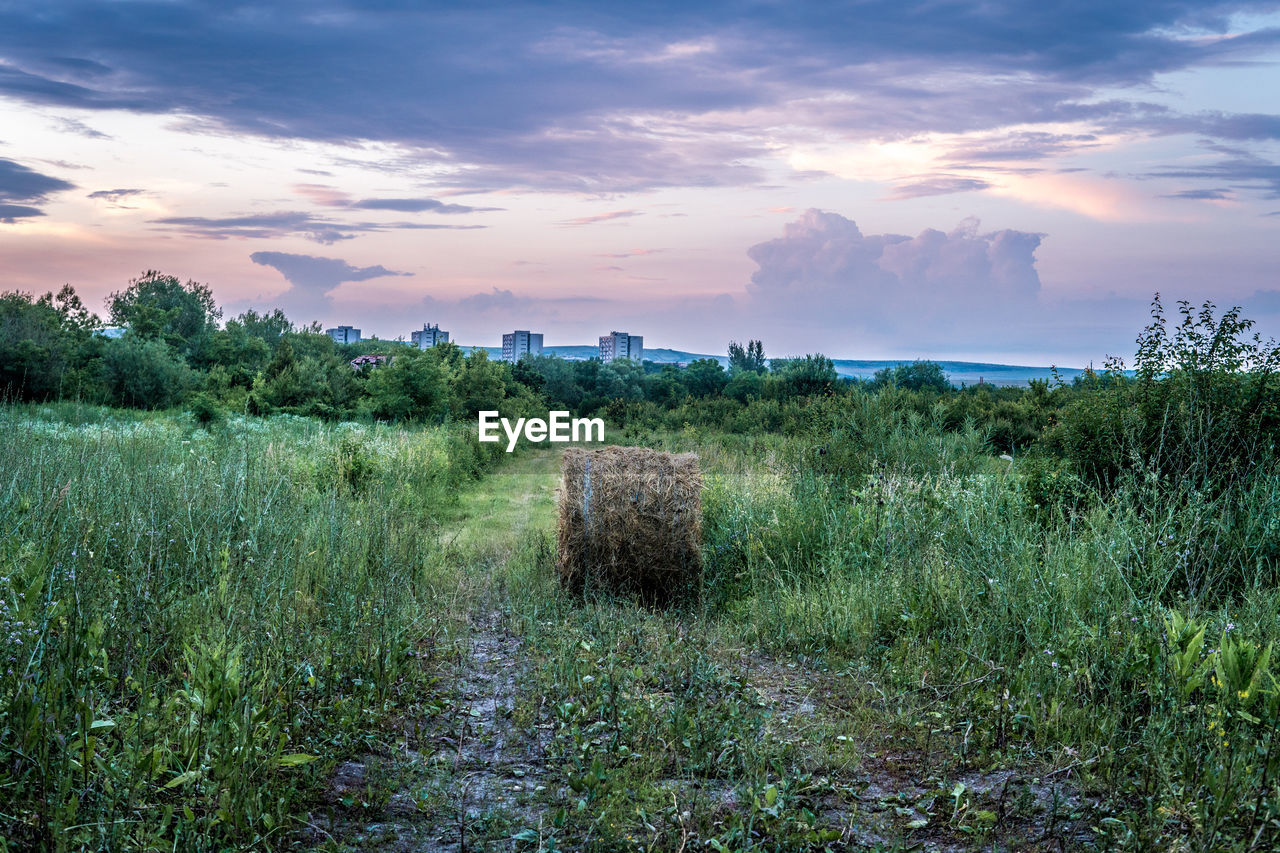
[[900, 641], [192, 617]]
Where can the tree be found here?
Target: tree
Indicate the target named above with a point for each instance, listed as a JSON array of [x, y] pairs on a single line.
[[559, 380], [144, 373], [750, 358], [268, 328], [479, 386], [916, 376], [802, 377], [43, 342], [705, 377], [745, 385], [160, 306], [411, 387]]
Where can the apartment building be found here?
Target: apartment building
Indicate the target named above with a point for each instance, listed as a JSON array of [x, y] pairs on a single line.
[[429, 336], [344, 335], [621, 345], [517, 344]]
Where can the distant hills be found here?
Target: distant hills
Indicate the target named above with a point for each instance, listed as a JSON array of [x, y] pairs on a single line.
[[959, 372]]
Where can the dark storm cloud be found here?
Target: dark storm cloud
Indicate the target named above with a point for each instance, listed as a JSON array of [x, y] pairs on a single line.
[[574, 95], [312, 280], [287, 223], [22, 187]]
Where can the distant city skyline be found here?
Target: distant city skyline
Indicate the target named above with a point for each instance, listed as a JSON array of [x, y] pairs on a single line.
[[1006, 181]]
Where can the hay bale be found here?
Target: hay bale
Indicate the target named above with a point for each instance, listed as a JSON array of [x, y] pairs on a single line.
[[631, 521]]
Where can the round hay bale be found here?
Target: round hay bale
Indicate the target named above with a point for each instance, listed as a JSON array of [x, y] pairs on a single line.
[[631, 521]]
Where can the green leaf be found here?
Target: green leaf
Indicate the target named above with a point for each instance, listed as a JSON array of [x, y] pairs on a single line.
[[183, 778]]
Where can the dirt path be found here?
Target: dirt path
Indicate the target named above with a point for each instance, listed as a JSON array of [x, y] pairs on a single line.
[[469, 775], [523, 722]]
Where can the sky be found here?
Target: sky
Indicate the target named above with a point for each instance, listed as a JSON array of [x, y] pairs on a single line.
[[995, 181]]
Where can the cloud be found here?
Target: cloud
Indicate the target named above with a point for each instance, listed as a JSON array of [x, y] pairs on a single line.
[[79, 128], [416, 205], [313, 279], [1022, 145], [939, 185], [632, 253], [328, 196], [11, 213], [602, 217], [1242, 169], [19, 184], [935, 286], [498, 299], [115, 195], [116, 198], [288, 223], [590, 98], [1202, 195], [1265, 301]]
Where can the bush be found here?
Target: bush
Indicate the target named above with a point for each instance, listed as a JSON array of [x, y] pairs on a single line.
[[1203, 406]]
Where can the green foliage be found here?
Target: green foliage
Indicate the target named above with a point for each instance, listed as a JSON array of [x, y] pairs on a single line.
[[195, 627], [1203, 407], [144, 373], [479, 385], [803, 377], [412, 387], [705, 378], [916, 376], [161, 306], [749, 359], [44, 344], [205, 410]]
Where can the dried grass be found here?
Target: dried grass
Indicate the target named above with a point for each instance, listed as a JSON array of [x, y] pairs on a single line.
[[631, 522]]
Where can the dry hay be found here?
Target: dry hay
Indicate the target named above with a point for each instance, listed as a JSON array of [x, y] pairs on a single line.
[[631, 521]]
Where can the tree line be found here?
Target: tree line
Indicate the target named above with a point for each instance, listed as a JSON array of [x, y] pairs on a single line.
[[1201, 400]]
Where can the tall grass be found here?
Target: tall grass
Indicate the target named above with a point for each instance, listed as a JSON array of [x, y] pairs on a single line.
[[921, 557], [188, 618]]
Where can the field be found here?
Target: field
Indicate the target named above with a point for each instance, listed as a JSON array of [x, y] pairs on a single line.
[[277, 633]]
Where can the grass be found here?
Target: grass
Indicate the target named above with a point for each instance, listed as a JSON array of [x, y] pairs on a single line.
[[279, 634], [193, 618]]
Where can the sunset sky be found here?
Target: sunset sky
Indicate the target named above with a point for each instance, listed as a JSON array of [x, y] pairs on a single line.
[[1005, 181]]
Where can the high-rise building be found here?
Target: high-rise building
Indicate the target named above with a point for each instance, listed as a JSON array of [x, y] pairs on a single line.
[[344, 335], [517, 344], [621, 345], [429, 336]]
